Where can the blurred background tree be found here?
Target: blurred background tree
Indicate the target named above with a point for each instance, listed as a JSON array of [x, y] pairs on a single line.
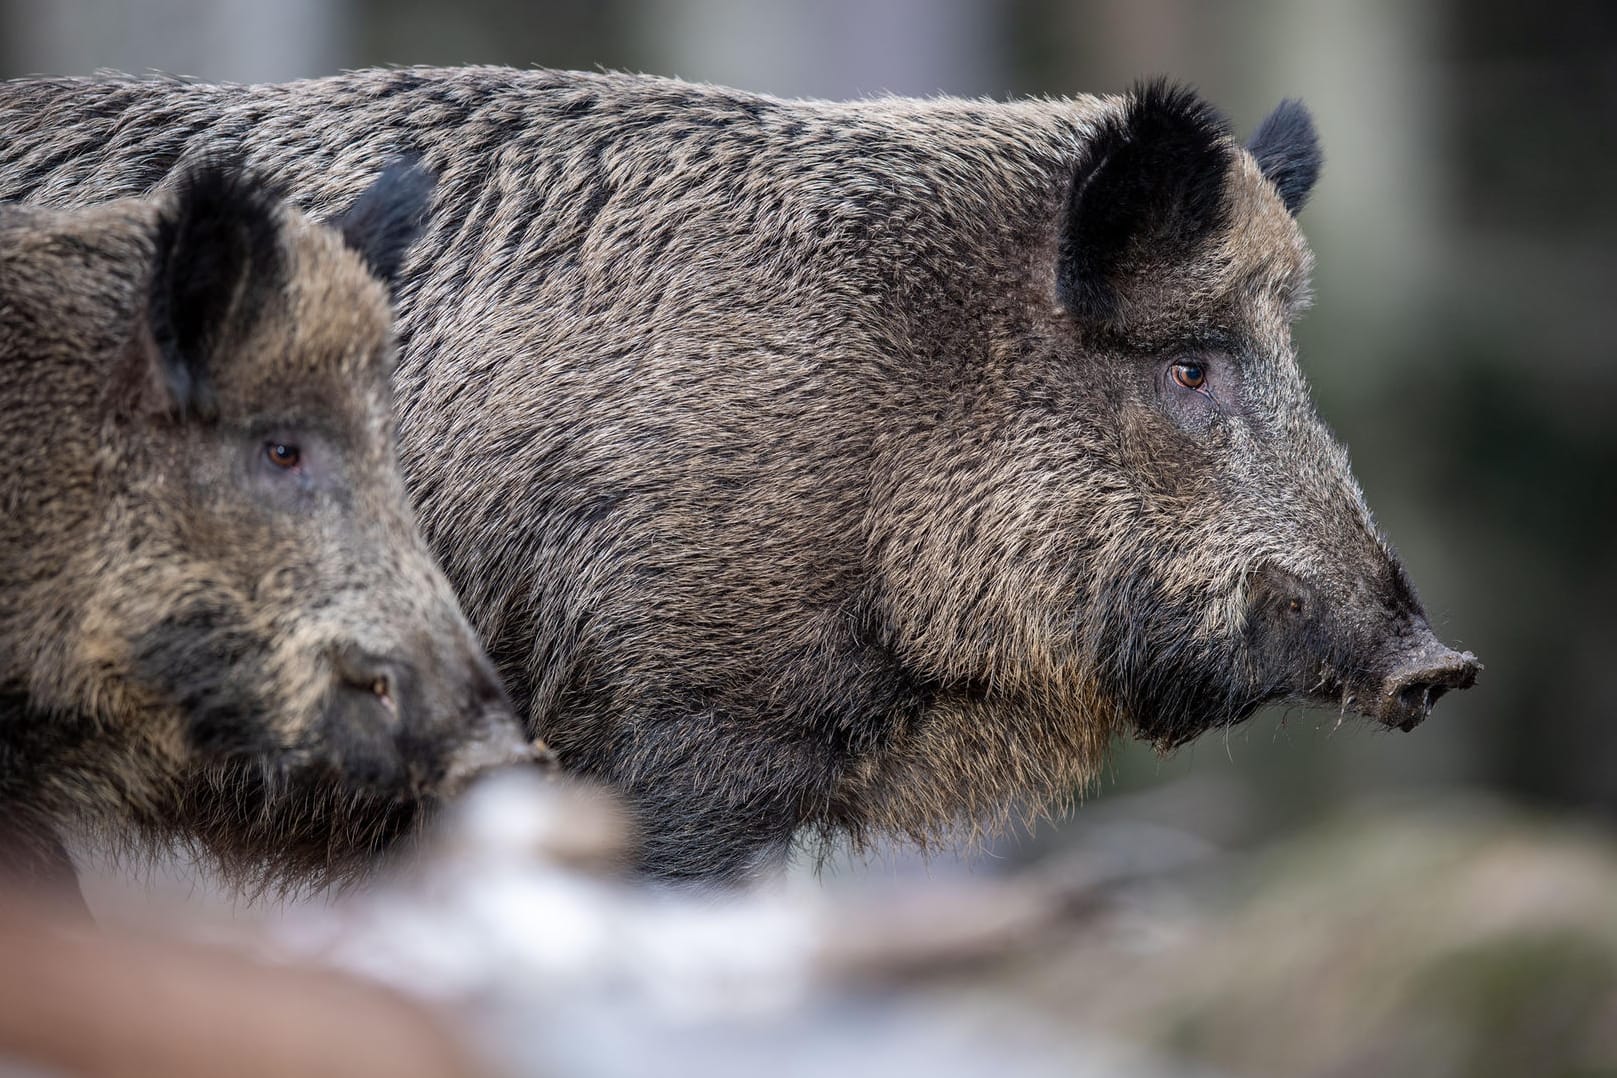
[[1460, 343]]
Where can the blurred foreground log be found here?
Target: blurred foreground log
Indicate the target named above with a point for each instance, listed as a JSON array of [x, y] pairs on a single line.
[[1459, 940]]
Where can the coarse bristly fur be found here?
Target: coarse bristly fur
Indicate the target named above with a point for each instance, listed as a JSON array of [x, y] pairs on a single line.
[[840, 467], [219, 624]]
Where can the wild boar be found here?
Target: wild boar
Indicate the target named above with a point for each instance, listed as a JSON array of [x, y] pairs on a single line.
[[219, 622], [837, 467]]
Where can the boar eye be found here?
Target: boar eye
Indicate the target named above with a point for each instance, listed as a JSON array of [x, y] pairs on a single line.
[[282, 455], [1189, 374]]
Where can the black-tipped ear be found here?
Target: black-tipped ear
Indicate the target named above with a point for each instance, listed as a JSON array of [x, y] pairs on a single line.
[[384, 221], [1286, 148], [1149, 191], [218, 259]]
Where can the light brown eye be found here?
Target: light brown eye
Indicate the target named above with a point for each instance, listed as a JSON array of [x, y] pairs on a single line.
[[1189, 375], [282, 455]]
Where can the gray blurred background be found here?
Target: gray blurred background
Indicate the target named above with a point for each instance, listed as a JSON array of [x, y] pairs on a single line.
[[1460, 343]]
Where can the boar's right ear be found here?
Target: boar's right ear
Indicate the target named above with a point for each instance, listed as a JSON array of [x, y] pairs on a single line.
[[1150, 189], [384, 221], [218, 260]]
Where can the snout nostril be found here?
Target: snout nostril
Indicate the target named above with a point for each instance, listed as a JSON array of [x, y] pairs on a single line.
[[1419, 696], [383, 690], [363, 671]]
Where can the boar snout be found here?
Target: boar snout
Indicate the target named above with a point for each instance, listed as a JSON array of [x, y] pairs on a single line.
[[1378, 658], [1418, 674], [439, 716]]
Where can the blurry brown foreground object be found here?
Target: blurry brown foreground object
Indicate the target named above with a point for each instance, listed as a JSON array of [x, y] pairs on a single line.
[[83, 1002], [1464, 940], [1446, 940]]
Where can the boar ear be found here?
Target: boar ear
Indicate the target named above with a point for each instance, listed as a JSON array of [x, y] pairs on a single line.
[[218, 261], [384, 221], [1149, 190], [1286, 148]]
